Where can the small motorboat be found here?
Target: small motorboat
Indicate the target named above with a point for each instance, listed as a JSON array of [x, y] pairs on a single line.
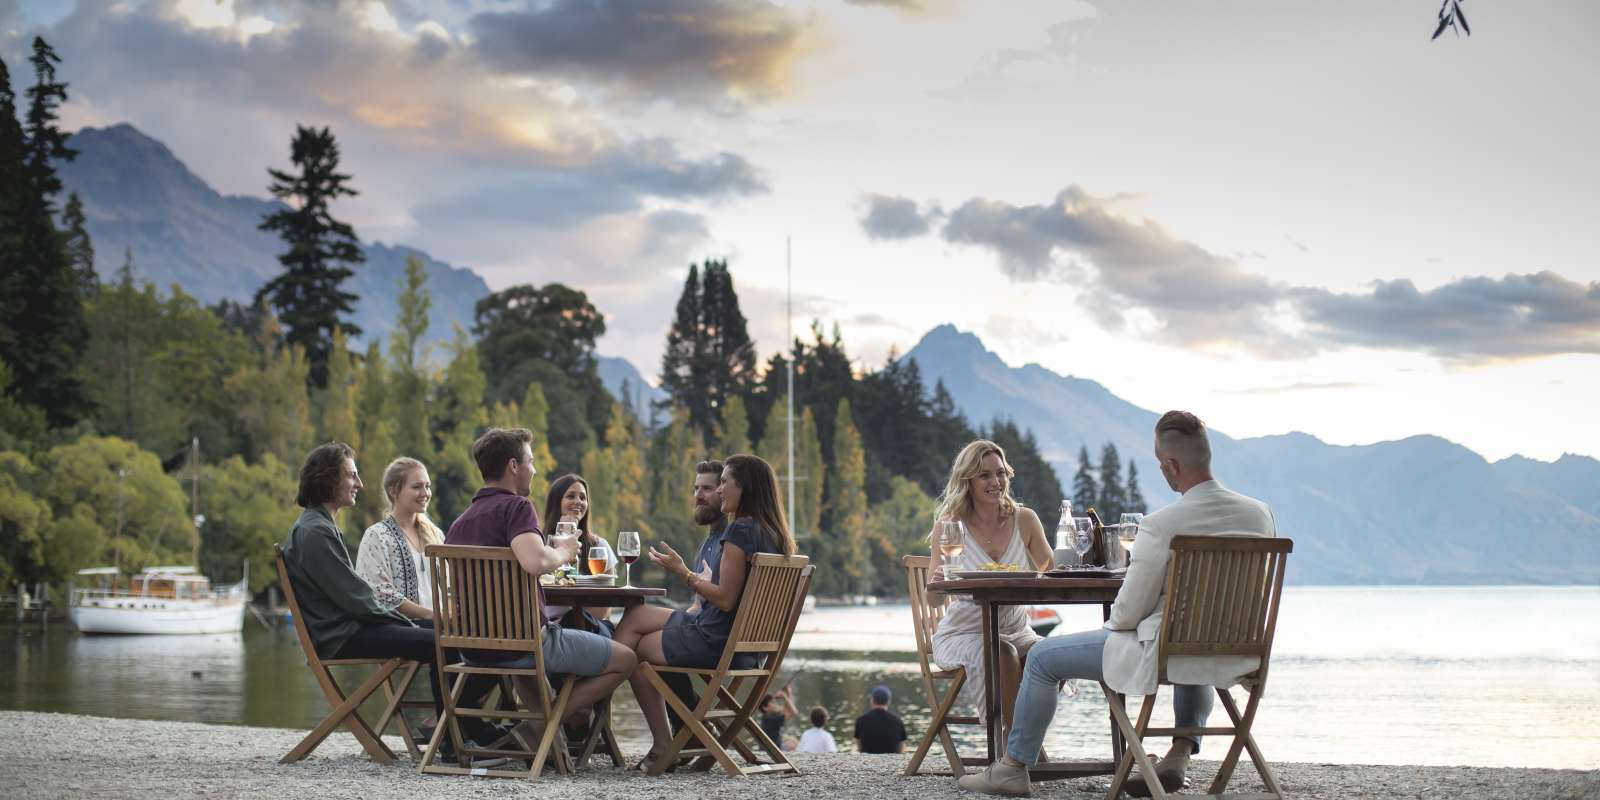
[[1043, 619]]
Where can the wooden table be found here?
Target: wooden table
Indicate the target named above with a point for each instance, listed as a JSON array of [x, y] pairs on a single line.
[[600, 597], [1029, 589]]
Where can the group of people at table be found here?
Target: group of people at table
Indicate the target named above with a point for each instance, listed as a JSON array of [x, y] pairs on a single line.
[[379, 605]]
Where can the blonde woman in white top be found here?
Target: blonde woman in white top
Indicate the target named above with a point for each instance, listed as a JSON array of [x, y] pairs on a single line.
[[998, 530], [391, 555]]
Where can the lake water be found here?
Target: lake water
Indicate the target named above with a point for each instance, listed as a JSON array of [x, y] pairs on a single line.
[[1480, 676]]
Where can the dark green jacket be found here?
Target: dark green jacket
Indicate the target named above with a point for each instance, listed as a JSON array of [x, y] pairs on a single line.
[[335, 600]]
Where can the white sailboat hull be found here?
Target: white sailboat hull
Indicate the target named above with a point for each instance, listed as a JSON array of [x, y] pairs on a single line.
[[141, 615]]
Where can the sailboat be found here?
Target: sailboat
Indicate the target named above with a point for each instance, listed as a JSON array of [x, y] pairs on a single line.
[[161, 600]]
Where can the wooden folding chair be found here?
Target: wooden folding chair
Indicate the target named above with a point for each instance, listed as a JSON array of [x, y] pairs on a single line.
[[347, 706], [1222, 600], [769, 609], [925, 616], [485, 600]]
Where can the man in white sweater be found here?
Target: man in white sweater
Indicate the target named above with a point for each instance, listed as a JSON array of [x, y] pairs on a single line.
[[1123, 652]]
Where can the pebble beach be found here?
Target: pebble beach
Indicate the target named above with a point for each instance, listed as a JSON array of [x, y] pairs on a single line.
[[46, 755]]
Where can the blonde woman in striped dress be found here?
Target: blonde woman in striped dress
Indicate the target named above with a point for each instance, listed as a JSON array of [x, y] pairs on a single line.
[[998, 530]]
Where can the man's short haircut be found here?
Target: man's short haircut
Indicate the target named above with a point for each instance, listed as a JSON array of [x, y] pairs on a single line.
[[709, 467], [321, 473], [497, 446], [1184, 435], [819, 716]]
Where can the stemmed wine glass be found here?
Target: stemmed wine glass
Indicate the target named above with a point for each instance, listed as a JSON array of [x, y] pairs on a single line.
[[568, 529], [628, 550], [1082, 537], [1127, 529], [952, 542]]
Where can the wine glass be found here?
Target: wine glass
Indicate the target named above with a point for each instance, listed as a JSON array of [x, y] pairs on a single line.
[[598, 561], [1082, 537], [567, 529], [628, 550], [952, 542], [1127, 529]]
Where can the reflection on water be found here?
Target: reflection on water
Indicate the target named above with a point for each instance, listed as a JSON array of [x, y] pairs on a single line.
[[1479, 676]]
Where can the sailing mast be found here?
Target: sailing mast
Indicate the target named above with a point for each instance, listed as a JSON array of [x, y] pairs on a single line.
[[194, 499], [788, 301]]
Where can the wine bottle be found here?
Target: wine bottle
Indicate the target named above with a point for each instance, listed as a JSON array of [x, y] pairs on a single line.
[[1097, 554], [1065, 556]]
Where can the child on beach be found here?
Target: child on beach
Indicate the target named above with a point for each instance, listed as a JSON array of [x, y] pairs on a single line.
[[817, 739]]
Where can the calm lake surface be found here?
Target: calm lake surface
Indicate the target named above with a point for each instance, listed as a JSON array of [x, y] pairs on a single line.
[[1481, 676]]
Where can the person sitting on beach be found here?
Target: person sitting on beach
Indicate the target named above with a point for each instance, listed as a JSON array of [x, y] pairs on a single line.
[[568, 501], [391, 554], [998, 530], [344, 616], [880, 730], [749, 491], [777, 709], [708, 513], [502, 516], [816, 739], [1123, 651]]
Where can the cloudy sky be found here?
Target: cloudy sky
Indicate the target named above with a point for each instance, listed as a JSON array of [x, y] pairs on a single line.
[[1283, 216]]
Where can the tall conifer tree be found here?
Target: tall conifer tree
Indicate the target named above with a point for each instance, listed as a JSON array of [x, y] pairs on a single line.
[[308, 295], [709, 357], [1085, 492]]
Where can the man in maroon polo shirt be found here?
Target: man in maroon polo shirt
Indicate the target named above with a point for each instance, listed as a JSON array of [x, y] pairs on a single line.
[[502, 516]]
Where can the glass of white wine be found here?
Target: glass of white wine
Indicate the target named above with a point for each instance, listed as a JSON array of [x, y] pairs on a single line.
[[952, 542], [1082, 537]]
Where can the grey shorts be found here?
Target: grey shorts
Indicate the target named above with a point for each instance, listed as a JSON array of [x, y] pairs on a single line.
[[575, 652]]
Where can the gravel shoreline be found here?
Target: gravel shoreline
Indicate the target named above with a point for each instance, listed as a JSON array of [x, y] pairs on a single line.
[[63, 755]]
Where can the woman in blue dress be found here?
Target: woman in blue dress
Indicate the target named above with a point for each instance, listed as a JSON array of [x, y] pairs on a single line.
[[695, 636]]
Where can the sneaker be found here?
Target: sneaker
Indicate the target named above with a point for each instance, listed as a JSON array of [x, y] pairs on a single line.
[[999, 778]]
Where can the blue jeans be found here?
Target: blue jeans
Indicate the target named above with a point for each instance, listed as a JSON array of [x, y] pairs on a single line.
[[1078, 655]]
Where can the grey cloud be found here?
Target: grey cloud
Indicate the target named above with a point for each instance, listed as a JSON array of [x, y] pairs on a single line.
[[894, 217], [699, 51], [1200, 298], [654, 167], [1471, 319]]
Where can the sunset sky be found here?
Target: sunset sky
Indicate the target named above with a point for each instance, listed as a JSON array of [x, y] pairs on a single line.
[[1282, 216]]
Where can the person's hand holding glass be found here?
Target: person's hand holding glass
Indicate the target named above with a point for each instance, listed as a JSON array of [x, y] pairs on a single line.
[[566, 539]]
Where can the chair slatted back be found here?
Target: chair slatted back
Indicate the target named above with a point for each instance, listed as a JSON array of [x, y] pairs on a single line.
[[290, 600], [925, 616], [1222, 596], [484, 600], [766, 615]]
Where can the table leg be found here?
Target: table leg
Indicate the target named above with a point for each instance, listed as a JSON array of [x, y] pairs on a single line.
[[991, 679]]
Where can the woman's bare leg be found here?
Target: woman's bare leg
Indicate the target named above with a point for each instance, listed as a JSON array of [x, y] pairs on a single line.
[[639, 621], [650, 702]]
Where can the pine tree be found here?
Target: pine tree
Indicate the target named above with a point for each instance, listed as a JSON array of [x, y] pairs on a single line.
[[409, 381], [732, 434], [308, 295], [336, 404], [1135, 497], [271, 395], [456, 418], [710, 358], [375, 430], [43, 331], [848, 568], [536, 418], [1113, 497], [79, 248], [1085, 492]]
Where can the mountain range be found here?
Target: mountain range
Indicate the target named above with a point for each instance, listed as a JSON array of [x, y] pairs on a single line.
[[139, 199], [1417, 510]]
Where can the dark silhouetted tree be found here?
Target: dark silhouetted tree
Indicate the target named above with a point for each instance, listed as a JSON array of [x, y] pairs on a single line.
[[1085, 492], [308, 295], [709, 357], [1113, 497], [1135, 497]]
